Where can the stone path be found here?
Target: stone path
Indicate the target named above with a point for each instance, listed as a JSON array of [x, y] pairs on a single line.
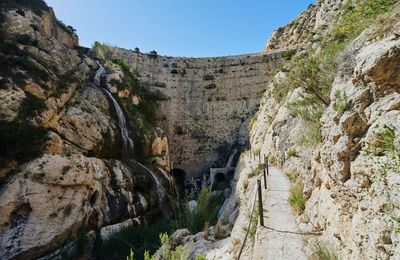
[[278, 215]]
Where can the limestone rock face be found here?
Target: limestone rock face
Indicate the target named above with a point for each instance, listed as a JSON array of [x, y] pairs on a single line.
[[46, 23], [78, 179], [310, 24], [64, 193], [350, 205], [209, 101]]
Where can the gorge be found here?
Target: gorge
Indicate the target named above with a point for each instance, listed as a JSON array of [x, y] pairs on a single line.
[[101, 143]]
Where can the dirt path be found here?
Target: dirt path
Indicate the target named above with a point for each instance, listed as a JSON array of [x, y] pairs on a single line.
[[278, 215]]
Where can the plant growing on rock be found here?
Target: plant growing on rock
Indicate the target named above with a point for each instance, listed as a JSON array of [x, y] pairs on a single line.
[[296, 198], [324, 252], [342, 103], [103, 51], [385, 150]]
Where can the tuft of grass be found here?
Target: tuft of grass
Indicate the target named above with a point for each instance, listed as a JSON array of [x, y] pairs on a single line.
[[245, 184], [205, 230], [256, 171], [296, 198], [324, 252], [219, 232], [293, 176], [291, 153]]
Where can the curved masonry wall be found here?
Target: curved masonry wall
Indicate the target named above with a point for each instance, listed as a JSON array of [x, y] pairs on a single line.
[[211, 99]]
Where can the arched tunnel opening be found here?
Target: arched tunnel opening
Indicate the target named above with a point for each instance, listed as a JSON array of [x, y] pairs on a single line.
[[219, 177], [179, 176]]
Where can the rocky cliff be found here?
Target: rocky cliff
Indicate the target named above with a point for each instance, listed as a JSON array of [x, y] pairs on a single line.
[[210, 101], [62, 166], [350, 172]]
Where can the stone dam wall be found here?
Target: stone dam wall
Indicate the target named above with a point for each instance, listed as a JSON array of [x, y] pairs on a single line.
[[211, 101]]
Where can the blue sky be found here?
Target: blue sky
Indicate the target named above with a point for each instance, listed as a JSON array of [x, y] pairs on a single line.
[[191, 28]]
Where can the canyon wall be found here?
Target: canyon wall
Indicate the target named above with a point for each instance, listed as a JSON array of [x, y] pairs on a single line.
[[211, 101]]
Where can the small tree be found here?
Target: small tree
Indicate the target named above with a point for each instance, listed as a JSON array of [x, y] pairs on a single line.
[[136, 49]]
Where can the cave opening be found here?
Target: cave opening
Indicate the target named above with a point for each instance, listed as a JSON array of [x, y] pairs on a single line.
[[219, 177], [179, 176]]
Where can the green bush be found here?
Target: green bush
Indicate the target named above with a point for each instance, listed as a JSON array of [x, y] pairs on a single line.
[[342, 103], [291, 153], [210, 86], [289, 54], [206, 211], [174, 71], [67, 28], [359, 15], [208, 77], [103, 51], [140, 239]]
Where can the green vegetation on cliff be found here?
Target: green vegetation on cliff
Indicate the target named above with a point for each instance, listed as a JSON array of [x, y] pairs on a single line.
[[313, 70]]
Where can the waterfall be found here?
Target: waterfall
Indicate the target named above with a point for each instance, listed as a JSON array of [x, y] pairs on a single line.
[[160, 191], [127, 142], [229, 164]]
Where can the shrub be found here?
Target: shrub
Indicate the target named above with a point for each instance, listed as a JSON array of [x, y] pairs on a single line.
[[385, 150], [291, 153], [174, 71], [254, 222], [140, 239], [206, 211], [67, 28], [342, 103], [153, 54], [208, 77], [253, 119], [179, 253], [136, 50], [210, 86], [296, 198], [289, 54], [103, 51]]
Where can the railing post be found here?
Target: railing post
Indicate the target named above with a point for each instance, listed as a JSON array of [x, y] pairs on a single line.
[[265, 177], [259, 157], [266, 163], [260, 207]]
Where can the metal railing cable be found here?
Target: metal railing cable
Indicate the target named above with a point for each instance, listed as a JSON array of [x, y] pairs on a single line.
[[248, 227]]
